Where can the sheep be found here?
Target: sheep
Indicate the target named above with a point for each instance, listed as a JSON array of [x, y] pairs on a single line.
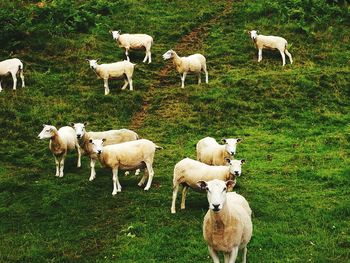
[[270, 42], [212, 153], [227, 226], [126, 156], [114, 70], [194, 63], [112, 137], [188, 171], [61, 141], [134, 41], [12, 66]]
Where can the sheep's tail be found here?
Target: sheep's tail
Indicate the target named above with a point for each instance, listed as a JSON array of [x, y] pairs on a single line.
[[158, 147], [285, 45], [20, 67]]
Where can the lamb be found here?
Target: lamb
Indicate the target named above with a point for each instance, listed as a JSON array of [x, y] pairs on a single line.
[[270, 42], [212, 153], [12, 66], [227, 226], [127, 156], [61, 141], [188, 171], [194, 64], [111, 136], [134, 41], [122, 69]]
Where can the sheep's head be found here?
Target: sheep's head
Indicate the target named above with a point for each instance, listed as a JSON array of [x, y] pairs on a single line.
[[97, 145], [253, 34], [115, 34], [231, 145], [47, 132], [216, 192], [235, 166], [93, 63], [169, 54], [79, 129]]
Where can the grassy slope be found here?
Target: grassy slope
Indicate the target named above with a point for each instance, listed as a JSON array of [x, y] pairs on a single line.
[[294, 122]]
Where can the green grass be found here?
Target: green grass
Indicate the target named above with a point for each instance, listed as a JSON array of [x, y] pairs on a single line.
[[294, 122]]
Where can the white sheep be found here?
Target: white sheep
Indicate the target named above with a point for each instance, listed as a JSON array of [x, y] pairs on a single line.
[[12, 66], [188, 172], [127, 156], [212, 153], [227, 226], [192, 64], [122, 69], [111, 136], [270, 42], [61, 141], [134, 41]]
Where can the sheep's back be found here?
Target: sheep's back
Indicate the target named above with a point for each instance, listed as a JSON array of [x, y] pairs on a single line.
[[68, 136]]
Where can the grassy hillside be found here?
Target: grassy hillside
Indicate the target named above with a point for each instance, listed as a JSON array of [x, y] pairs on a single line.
[[294, 122]]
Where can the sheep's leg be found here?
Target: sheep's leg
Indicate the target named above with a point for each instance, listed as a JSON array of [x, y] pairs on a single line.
[[127, 54], [199, 78], [260, 54], [184, 193], [79, 155], [130, 82], [22, 77], [146, 57], [125, 84], [233, 255], [244, 257], [206, 73], [150, 175], [93, 172], [57, 162], [175, 190], [149, 57], [14, 80], [143, 179], [213, 255], [115, 180], [62, 165], [289, 55], [283, 58], [0, 86], [226, 257], [106, 86], [183, 79]]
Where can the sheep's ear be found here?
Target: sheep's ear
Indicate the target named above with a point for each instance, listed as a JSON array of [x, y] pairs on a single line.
[[243, 161], [119, 31], [110, 31], [71, 124], [97, 60], [104, 139], [228, 160], [88, 60], [202, 185], [44, 125], [230, 183], [257, 31], [223, 140], [239, 139], [90, 141], [86, 123]]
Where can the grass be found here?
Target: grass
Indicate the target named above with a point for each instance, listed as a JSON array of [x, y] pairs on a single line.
[[294, 122]]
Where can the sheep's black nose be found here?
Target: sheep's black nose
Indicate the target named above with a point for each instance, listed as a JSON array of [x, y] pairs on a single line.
[[216, 207], [236, 173], [99, 152], [78, 136]]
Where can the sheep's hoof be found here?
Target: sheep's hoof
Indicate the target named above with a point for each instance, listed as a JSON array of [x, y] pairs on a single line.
[[114, 193], [146, 188], [173, 211], [91, 178]]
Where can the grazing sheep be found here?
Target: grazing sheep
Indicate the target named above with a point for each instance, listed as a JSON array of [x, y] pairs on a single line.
[[194, 64], [187, 172], [122, 69], [270, 42], [61, 141], [111, 136], [134, 41], [127, 156], [227, 226], [212, 153], [12, 66]]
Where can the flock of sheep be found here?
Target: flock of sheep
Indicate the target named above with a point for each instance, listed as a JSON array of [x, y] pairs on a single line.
[[227, 226]]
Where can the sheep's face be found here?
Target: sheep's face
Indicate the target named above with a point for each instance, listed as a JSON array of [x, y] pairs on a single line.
[[115, 34], [93, 63], [231, 145], [253, 34], [216, 192], [169, 54], [79, 129], [97, 145], [235, 166], [47, 132]]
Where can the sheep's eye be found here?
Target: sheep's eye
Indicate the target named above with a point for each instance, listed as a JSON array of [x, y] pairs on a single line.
[[207, 188], [224, 189]]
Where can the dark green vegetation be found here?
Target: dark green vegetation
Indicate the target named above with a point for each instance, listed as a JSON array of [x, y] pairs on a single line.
[[294, 121]]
